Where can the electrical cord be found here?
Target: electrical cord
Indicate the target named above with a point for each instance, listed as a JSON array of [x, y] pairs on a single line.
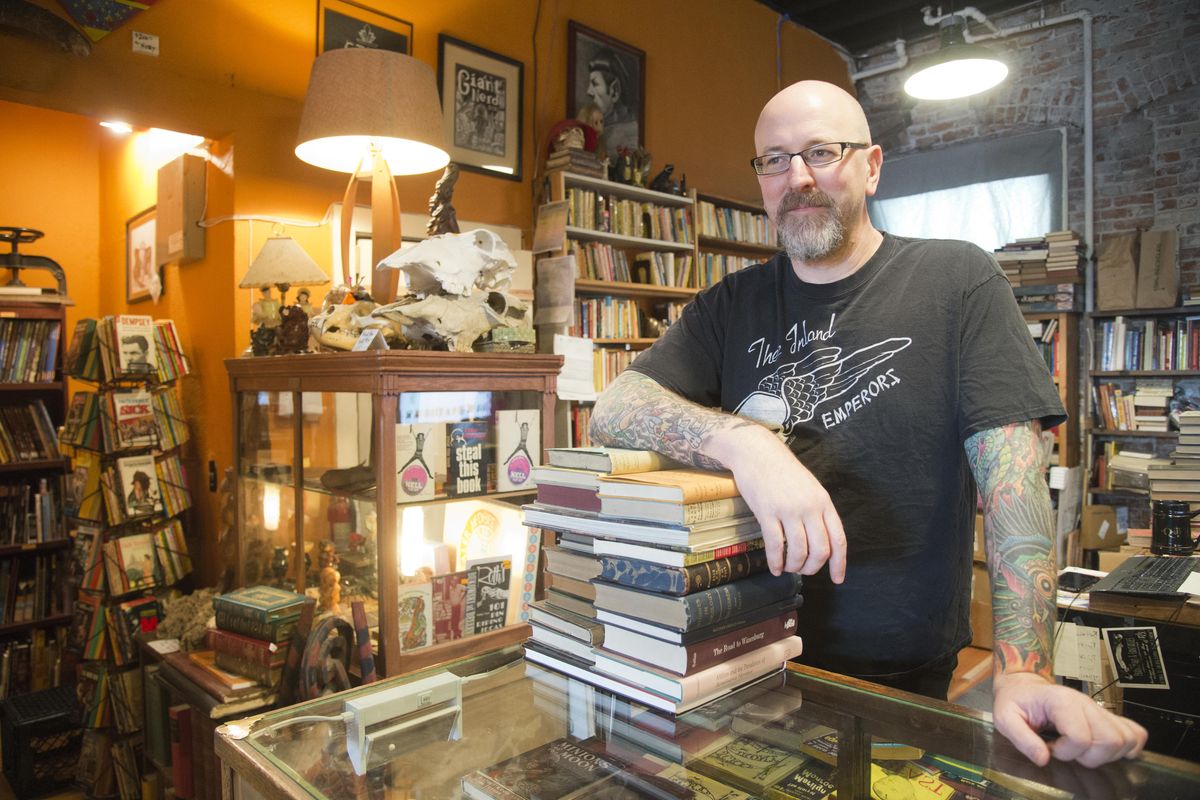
[[345, 718]]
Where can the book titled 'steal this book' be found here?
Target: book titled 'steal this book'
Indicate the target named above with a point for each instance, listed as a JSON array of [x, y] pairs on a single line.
[[264, 612]]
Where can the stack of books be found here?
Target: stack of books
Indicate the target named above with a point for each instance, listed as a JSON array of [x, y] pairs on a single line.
[[1064, 257], [578, 161], [1023, 261], [686, 607], [1179, 477], [249, 646]]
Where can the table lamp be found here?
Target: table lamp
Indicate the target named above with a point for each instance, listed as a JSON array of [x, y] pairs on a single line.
[[372, 113], [282, 263]]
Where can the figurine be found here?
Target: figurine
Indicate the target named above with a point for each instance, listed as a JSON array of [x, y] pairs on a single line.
[[302, 300], [662, 181], [292, 334], [265, 311], [330, 593], [442, 216]]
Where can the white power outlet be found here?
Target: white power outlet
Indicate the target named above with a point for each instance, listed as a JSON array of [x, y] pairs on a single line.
[[145, 43]]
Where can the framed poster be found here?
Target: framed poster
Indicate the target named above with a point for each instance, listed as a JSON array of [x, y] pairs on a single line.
[[141, 274], [481, 107], [342, 23], [612, 76]]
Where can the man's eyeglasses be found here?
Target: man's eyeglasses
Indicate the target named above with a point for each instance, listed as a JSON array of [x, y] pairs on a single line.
[[818, 155]]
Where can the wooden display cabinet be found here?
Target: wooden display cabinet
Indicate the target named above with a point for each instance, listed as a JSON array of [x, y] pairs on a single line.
[[316, 441]]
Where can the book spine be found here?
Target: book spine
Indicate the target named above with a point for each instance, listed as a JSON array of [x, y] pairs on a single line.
[[721, 602], [180, 724], [277, 630], [195, 673], [709, 510], [244, 648], [682, 580], [264, 674], [738, 670], [623, 462], [710, 652], [701, 556]]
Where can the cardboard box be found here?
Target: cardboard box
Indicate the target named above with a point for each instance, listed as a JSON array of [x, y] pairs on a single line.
[[1098, 530], [180, 206], [1111, 559], [981, 608]]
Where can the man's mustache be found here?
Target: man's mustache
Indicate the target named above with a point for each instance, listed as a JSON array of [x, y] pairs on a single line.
[[793, 200]]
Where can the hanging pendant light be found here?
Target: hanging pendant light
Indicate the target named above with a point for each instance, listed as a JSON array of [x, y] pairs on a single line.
[[957, 69]]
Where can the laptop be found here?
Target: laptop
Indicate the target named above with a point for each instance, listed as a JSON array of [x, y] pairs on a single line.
[[1156, 576]]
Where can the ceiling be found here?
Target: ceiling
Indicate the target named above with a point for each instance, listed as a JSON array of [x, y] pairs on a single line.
[[860, 25]]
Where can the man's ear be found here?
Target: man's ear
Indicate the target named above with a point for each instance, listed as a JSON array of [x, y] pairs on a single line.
[[874, 166]]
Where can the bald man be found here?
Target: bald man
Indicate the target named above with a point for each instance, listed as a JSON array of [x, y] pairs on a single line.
[[861, 387]]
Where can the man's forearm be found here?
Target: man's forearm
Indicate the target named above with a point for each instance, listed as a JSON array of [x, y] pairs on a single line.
[[636, 412], [1018, 529]]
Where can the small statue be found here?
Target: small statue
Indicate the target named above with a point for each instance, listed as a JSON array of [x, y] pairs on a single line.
[[329, 598], [302, 300], [662, 181], [265, 311], [442, 216]]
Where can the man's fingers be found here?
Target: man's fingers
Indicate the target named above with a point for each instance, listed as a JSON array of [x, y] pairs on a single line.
[[798, 545], [837, 542], [773, 544], [1017, 730]]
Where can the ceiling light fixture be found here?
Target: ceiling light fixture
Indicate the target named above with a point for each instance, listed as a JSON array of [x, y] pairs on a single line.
[[957, 69], [116, 126]]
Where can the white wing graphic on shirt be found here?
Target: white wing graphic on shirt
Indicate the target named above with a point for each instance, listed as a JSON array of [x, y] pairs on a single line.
[[790, 395]]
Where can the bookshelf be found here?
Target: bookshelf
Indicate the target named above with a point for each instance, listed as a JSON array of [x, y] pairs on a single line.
[[127, 498], [1141, 362], [34, 546], [730, 235]]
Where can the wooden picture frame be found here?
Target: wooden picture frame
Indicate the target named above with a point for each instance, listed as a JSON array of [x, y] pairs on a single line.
[[612, 75], [141, 272], [482, 107], [342, 23]]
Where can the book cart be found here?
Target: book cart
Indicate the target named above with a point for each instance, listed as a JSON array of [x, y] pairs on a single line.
[[508, 728], [404, 470], [126, 496]]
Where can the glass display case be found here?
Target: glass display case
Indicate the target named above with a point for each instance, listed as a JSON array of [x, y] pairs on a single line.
[[395, 478], [498, 727]]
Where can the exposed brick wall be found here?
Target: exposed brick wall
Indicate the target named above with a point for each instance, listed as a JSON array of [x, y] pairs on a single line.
[[1146, 92]]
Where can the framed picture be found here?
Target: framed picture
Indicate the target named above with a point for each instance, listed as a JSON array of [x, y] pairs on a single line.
[[481, 107], [341, 23], [141, 274], [612, 76]]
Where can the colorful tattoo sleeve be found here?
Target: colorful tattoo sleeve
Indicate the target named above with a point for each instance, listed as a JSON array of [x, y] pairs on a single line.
[[636, 412], [1018, 530]]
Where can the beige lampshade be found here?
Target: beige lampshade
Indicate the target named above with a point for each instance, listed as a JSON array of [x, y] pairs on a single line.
[[360, 98], [282, 260]]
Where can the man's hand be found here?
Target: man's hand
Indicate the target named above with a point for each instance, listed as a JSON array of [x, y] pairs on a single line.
[[801, 529], [1024, 703]]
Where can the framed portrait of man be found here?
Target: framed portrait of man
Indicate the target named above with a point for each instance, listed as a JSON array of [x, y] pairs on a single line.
[[611, 76]]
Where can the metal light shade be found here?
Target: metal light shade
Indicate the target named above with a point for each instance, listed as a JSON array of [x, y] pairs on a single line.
[[282, 261], [957, 69], [361, 99]]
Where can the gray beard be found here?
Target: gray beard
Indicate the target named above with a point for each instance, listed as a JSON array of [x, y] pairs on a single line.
[[812, 239]]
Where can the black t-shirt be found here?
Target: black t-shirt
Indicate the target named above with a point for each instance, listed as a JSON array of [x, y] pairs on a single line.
[[877, 380]]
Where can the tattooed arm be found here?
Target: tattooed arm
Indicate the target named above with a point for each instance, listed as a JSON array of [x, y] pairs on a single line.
[[1018, 531], [801, 528]]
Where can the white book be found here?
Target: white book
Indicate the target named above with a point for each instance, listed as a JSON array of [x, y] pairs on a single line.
[[420, 451], [519, 448], [134, 342], [416, 615]]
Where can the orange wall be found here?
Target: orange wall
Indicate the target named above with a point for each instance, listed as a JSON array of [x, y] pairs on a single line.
[[236, 72]]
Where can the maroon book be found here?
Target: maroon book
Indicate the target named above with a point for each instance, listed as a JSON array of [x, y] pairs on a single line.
[[568, 497]]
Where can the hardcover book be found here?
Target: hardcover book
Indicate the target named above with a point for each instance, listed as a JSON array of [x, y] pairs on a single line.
[[699, 609], [263, 612], [670, 485], [488, 581], [518, 448], [673, 556], [748, 764], [704, 534], [418, 462], [673, 635], [268, 654], [812, 780], [415, 616], [559, 769], [671, 512], [609, 460], [681, 580], [468, 459]]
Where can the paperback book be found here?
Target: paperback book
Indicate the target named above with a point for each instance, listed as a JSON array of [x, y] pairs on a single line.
[[486, 606], [518, 448], [468, 459], [417, 450], [415, 616], [609, 460]]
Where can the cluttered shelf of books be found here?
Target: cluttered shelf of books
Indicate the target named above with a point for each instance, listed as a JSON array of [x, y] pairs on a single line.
[[394, 479], [1144, 382]]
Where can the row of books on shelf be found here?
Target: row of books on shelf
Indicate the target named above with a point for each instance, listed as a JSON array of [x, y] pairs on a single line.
[[28, 350], [29, 511], [126, 347], [601, 262], [130, 488], [607, 317], [131, 562], [611, 214], [657, 588], [1057, 257], [123, 419], [32, 588], [581, 421], [26, 433], [1145, 408], [33, 664], [713, 267], [1049, 297], [1156, 343], [608, 363], [1046, 335], [734, 224]]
